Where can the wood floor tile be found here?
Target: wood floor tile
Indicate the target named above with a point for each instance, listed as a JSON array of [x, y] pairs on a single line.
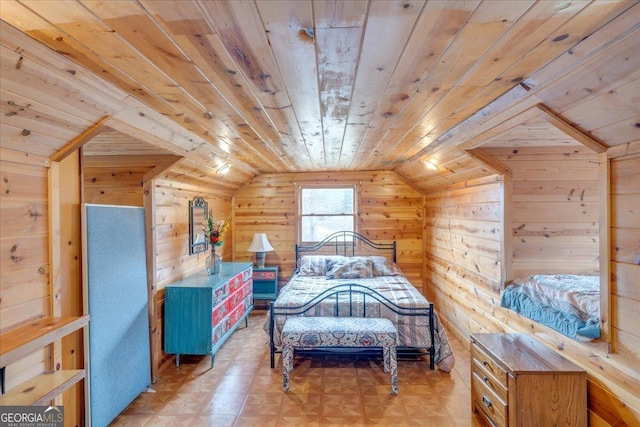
[[293, 408], [170, 420], [185, 404], [136, 420], [342, 421], [384, 410], [332, 390], [225, 403], [386, 421], [253, 421], [299, 420], [211, 420]]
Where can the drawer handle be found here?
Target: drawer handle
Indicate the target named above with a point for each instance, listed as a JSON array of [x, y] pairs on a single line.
[[485, 379], [486, 401], [485, 363]]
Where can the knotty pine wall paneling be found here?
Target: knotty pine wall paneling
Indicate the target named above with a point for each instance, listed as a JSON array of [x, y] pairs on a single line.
[[112, 180], [625, 254], [467, 291], [462, 251], [35, 235], [24, 264], [555, 209], [388, 210]]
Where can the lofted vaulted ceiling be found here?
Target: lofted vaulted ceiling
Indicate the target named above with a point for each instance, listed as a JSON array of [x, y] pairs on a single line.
[[301, 85]]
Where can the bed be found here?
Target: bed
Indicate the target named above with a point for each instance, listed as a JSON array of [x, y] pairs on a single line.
[[347, 259], [567, 303]]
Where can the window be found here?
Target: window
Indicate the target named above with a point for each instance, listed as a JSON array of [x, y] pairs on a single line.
[[326, 210]]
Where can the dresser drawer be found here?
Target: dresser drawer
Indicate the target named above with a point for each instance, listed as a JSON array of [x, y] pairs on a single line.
[[482, 416], [517, 381], [485, 400], [264, 275], [479, 370], [264, 287], [489, 365]]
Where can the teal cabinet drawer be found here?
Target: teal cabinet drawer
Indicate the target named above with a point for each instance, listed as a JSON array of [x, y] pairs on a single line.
[[260, 287]]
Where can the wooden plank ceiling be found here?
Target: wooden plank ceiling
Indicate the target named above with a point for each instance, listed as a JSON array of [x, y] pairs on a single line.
[[301, 85], [110, 142]]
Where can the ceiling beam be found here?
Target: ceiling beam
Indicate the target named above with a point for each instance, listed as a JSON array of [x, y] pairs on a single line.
[[79, 141], [570, 130], [161, 167], [489, 161]]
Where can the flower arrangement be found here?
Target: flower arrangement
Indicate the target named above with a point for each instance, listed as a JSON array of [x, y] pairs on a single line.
[[214, 230]]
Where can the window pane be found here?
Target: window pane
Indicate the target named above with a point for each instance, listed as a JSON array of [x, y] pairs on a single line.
[[327, 200], [316, 228]]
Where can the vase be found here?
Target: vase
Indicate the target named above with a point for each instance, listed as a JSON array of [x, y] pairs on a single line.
[[213, 262]]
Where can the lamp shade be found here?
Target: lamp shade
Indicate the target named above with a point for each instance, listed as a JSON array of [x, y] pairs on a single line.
[[260, 243]]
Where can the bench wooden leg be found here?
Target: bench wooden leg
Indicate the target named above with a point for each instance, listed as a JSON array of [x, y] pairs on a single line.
[[287, 365]]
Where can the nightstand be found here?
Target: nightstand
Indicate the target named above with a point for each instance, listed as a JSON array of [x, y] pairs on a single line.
[[265, 283]]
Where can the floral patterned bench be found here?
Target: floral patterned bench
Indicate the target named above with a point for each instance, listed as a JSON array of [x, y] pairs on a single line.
[[339, 332]]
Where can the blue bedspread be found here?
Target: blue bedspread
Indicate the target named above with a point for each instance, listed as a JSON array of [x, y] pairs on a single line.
[[566, 303]]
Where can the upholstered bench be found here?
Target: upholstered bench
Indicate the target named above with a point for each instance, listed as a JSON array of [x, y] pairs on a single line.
[[338, 332]]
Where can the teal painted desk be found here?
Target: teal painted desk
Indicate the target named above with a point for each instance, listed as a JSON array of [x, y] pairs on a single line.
[[202, 311]]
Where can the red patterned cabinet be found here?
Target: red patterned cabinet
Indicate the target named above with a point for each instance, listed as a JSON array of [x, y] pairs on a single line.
[[202, 311]]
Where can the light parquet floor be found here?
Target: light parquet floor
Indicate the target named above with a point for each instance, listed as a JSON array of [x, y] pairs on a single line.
[[242, 390]]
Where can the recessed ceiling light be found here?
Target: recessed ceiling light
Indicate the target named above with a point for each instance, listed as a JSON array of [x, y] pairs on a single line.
[[431, 164]]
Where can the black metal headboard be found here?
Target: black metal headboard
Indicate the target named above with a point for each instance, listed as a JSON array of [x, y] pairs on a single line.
[[345, 243]]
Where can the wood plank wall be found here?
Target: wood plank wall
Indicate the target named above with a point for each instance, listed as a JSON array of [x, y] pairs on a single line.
[[625, 254], [463, 235], [26, 291], [555, 209], [389, 209], [114, 180], [466, 290], [24, 257]]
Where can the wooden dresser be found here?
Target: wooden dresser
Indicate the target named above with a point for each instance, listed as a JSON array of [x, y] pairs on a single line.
[[517, 381], [202, 311]]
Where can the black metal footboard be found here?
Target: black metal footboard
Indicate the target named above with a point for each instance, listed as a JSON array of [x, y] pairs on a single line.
[[354, 300]]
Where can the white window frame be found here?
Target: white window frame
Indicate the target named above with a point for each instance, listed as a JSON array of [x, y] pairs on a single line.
[[302, 187]]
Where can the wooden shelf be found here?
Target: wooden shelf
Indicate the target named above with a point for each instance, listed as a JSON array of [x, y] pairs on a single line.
[[32, 336], [28, 338], [41, 389]]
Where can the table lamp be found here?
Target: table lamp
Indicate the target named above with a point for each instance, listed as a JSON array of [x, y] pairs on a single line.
[[260, 245]]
